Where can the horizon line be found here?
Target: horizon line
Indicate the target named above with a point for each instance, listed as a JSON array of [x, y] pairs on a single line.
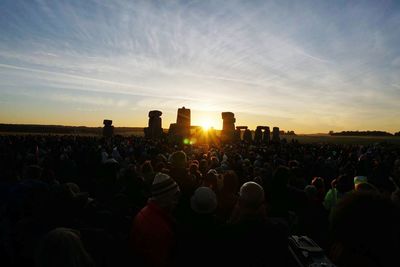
[[297, 133]]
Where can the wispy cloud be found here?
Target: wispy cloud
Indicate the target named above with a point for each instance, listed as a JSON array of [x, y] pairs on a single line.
[[314, 63], [96, 101]]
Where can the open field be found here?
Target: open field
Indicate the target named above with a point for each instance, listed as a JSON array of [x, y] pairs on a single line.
[[123, 133], [305, 139], [15, 129], [65, 130], [359, 140], [47, 133]]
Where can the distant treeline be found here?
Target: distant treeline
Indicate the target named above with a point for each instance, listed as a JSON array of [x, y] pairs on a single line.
[[363, 133], [61, 129], [287, 133]]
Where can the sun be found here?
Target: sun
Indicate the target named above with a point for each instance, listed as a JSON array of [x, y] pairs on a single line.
[[206, 121], [205, 124]]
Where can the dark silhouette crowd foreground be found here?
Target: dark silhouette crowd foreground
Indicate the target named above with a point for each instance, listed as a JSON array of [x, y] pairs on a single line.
[[86, 201]]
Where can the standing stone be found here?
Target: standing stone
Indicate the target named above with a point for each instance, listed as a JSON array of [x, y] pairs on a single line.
[[183, 118], [108, 129], [267, 135], [228, 127], [237, 135], [183, 122], [154, 131], [172, 133], [275, 135], [258, 135], [181, 129], [247, 137], [239, 131]]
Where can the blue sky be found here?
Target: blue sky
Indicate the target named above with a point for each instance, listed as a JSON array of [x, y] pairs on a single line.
[[308, 66]]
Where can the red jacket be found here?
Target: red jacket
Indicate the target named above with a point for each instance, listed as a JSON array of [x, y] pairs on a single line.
[[152, 236]]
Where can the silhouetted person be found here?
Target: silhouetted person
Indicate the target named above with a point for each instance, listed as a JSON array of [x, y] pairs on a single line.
[[211, 180], [147, 173], [319, 184], [253, 239], [133, 186], [313, 218], [153, 235], [180, 174], [62, 247], [340, 187], [228, 195], [365, 231], [199, 241], [195, 173]]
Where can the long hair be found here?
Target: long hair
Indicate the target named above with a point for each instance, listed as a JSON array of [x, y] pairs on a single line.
[[62, 247]]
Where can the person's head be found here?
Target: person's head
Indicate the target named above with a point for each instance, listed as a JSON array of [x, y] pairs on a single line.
[[210, 179], [214, 162], [203, 165], [147, 167], [311, 192], [203, 201], [165, 191], [344, 183], [280, 178], [231, 182], [178, 159], [361, 184], [62, 247], [246, 163], [195, 161], [365, 226], [294, 164], [251, 197], [194, 168], [319, 183]]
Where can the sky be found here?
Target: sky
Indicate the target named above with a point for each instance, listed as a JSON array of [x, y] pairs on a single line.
[[307, 66]]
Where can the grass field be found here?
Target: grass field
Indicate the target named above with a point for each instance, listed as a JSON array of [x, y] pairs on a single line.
[[359, 140], [305, 139], [125, 133]]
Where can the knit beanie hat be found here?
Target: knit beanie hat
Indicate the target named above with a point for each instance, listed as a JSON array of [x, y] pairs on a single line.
[[203, 200], [163, 188]]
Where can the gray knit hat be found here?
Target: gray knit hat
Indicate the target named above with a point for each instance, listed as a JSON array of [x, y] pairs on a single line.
[[163, 187]]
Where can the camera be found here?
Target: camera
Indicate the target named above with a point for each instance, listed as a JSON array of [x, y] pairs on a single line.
[[306, 253]]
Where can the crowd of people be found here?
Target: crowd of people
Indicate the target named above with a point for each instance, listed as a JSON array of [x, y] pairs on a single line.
[[129, 201]]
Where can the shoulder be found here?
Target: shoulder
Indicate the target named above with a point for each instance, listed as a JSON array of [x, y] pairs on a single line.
[[278, 227]]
